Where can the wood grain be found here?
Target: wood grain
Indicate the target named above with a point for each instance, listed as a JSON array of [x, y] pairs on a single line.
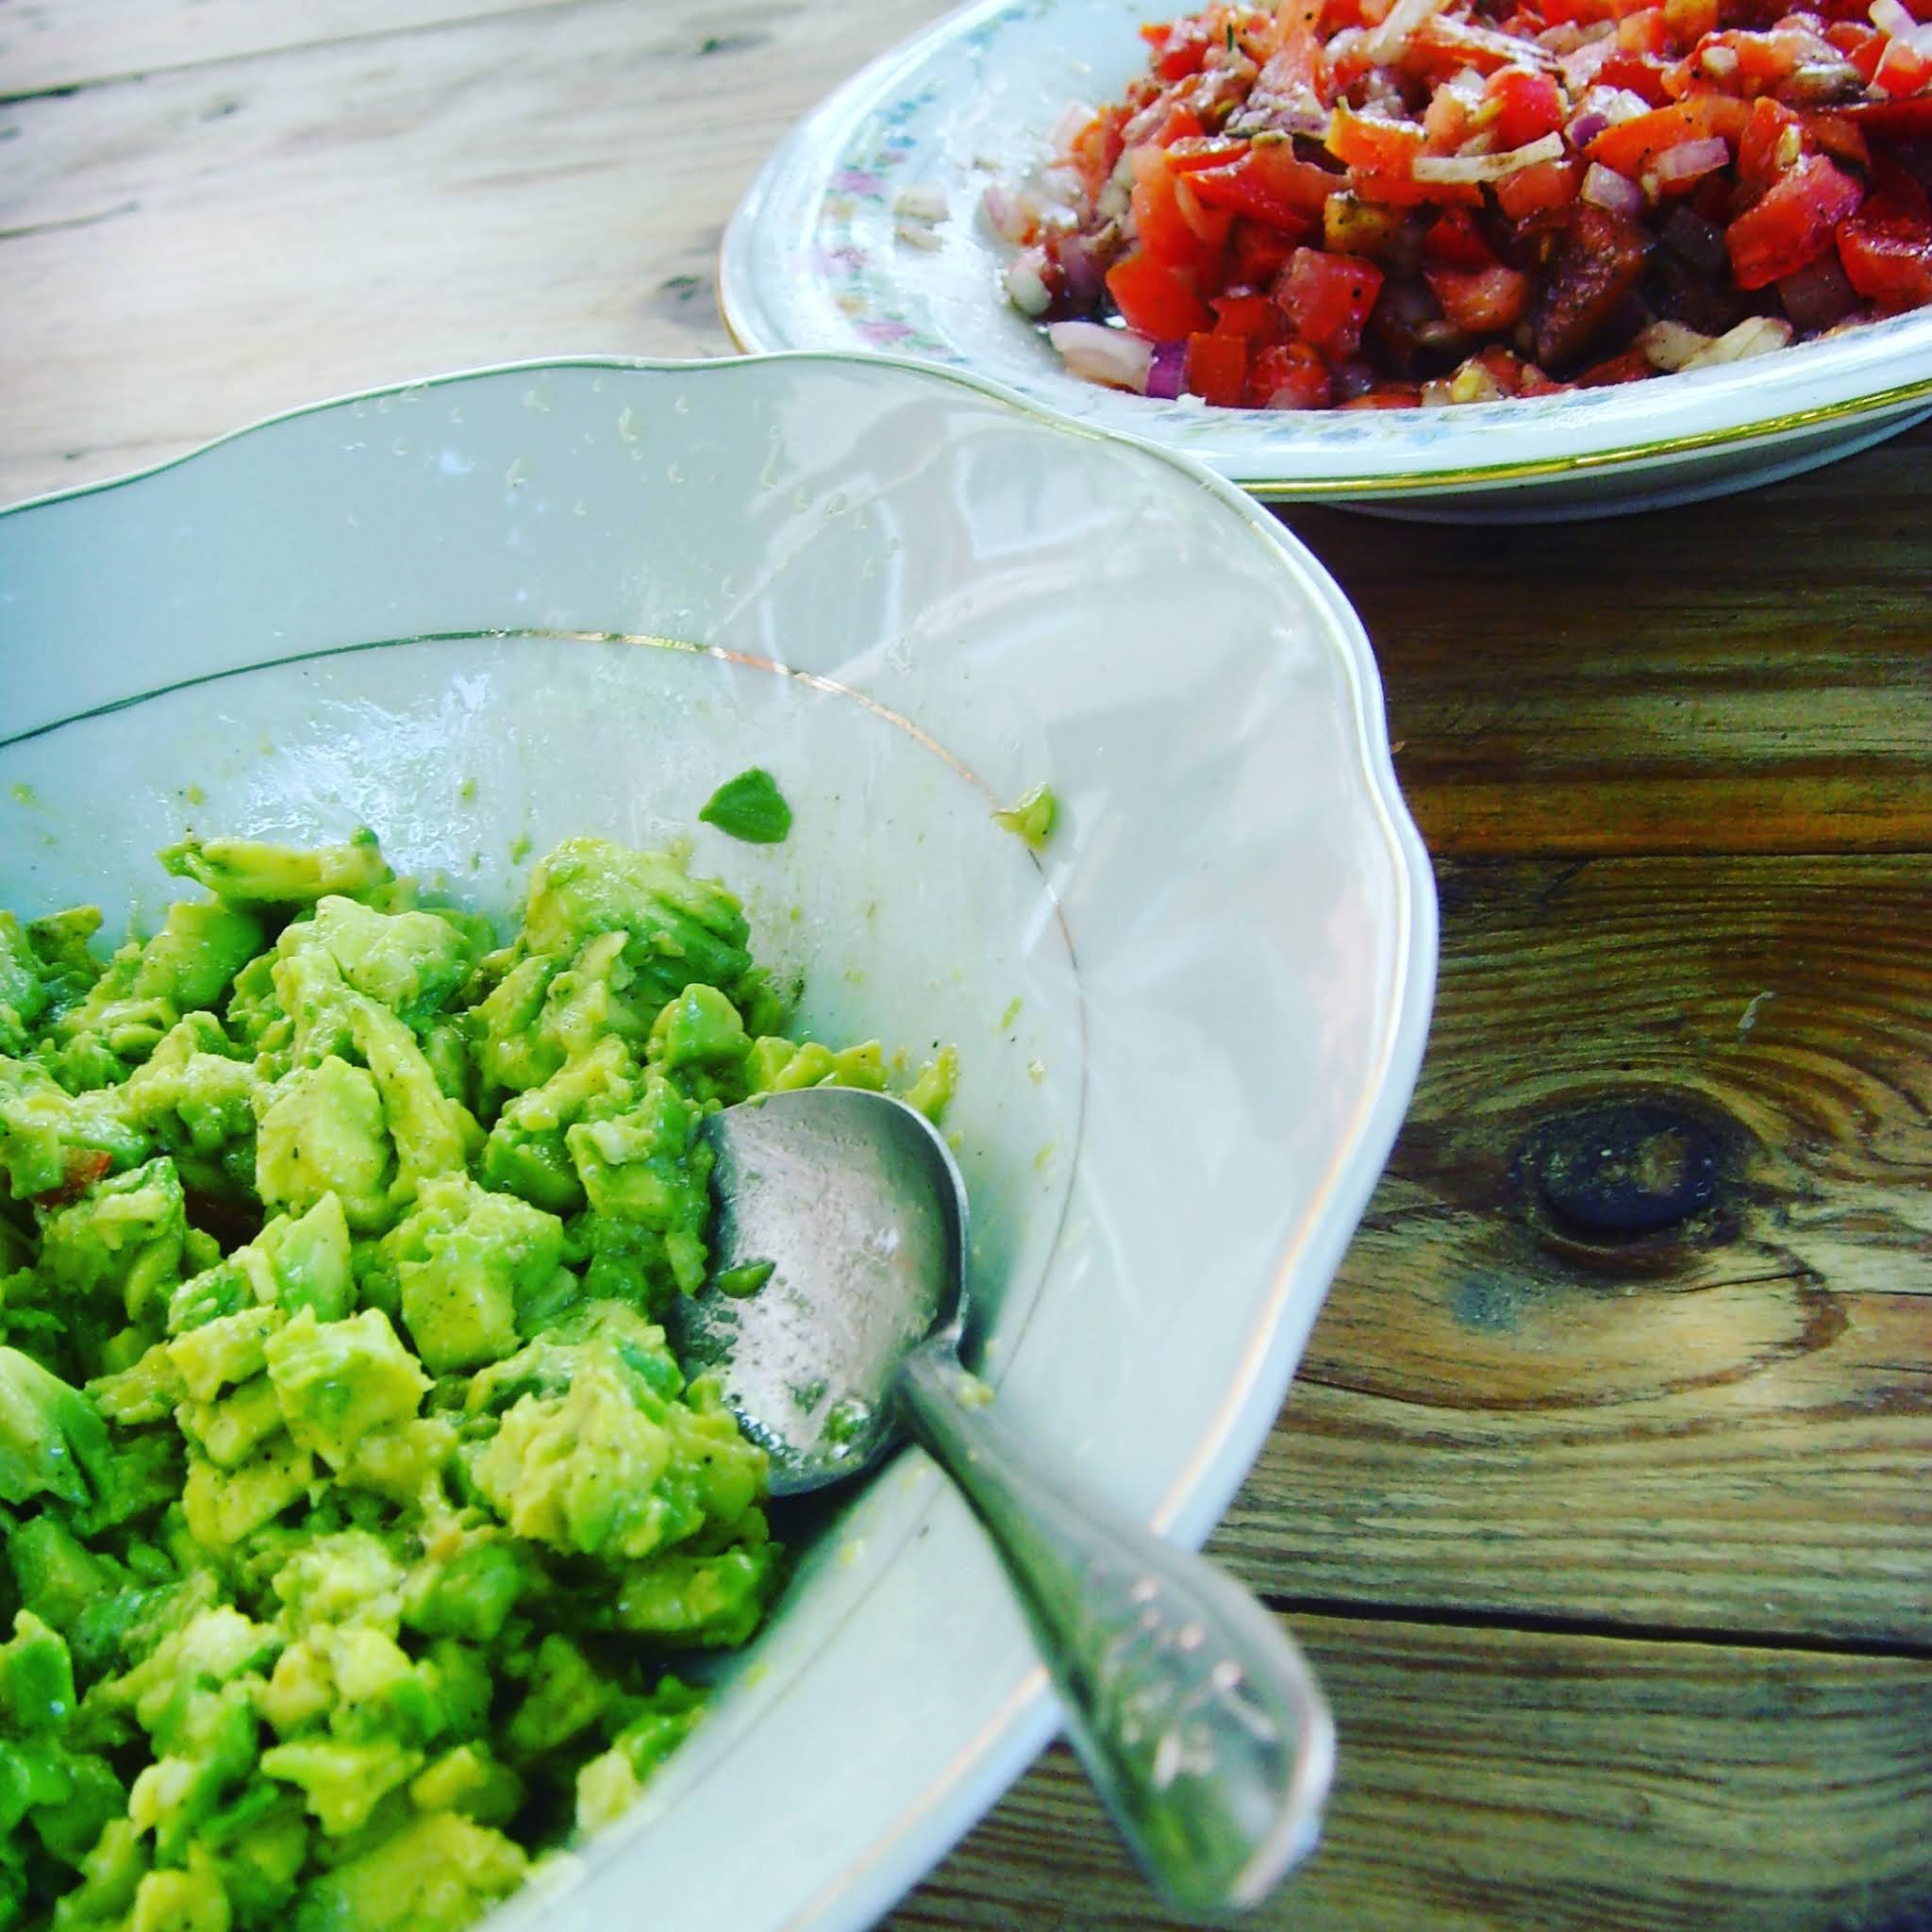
[[220, 241], [50, 44], [1635, 1347], [1752, 674], [1721, 1422], [1495, 1782]]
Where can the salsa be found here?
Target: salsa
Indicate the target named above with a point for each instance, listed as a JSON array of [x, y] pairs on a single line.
[[1356, 204], [357, 1513]]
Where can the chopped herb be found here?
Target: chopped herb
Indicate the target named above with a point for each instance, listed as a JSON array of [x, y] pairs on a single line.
[[750, 807]]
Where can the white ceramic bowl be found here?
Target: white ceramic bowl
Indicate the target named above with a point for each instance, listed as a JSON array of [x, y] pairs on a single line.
[[816, 258], [1188, 1032]]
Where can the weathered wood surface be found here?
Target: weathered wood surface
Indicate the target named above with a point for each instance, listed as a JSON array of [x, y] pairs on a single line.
[[1752, 675], [324, 201], [1499, 1781], [1638, 1327], [1603, 1496]]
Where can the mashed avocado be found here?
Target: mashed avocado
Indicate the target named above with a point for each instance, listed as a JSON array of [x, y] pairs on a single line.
[[356, 1510]]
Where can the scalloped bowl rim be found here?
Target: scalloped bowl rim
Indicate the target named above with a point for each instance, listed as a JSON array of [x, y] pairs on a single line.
[[1211, 1465]]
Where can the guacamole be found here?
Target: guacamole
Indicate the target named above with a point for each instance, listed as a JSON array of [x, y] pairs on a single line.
[[357, 1513]]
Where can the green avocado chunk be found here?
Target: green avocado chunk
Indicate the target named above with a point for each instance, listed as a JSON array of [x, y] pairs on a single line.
[[359, 1523]]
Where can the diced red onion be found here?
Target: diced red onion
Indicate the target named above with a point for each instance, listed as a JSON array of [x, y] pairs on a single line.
[[1613, 103], [1690, 158], [1004, 214], [1581, 65], [1074, 117], [1450, 168], [1818, 297], [1116, 357], [1353, 379], [1692, 238], [1614, 192], [1586, 127], [1026, 283], [1166, 370], [1084, 276]]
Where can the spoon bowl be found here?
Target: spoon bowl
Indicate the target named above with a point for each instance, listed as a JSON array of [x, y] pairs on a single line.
[[832, 1318], [838, 1244]]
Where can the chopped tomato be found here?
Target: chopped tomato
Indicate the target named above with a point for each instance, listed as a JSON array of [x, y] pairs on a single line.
[[1863, 46], [1599, 260], [1185, 49], [1478, 300], [1211, 226], [1631, 366], [1154, 300], [1772, 138], [1754, 63], [1268, 183], [1792, 225], [1471, 44], [1542, 186], [1637, 74], [1291, 376], [1900, 68], [1246, 314], [1350, 274], [1454, 240], [1689, 21], [1834, 135], [1205, 151], [1328, 297], [1405, 191], [1907, 119], [1886, 250], [1526, 106], [1162, 229], [1096, 148], [1182, 123], [1257, 253], [1631, 147], [1644, 32], [1216, 368], [1370, 145]]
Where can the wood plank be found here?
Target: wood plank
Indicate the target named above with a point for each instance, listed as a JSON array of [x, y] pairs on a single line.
[[226, 240], [1750, 674], [49, 44], [1519, 1400], [1498, 1781]]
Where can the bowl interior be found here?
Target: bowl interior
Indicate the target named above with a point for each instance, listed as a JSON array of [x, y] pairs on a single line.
[[519, 605]]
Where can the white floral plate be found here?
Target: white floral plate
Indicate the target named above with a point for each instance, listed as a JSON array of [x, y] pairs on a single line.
[[814, 259]]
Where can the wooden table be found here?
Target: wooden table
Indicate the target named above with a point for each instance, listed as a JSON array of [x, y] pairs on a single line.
[[1605, 1496]]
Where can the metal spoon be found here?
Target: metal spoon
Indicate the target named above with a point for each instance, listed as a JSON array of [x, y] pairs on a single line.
[[833, 1315]]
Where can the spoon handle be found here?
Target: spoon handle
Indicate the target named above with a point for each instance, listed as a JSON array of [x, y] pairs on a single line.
[[1198, 1720]]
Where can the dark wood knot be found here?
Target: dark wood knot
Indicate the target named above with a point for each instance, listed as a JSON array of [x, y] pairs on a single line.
[[1619, 1170]]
